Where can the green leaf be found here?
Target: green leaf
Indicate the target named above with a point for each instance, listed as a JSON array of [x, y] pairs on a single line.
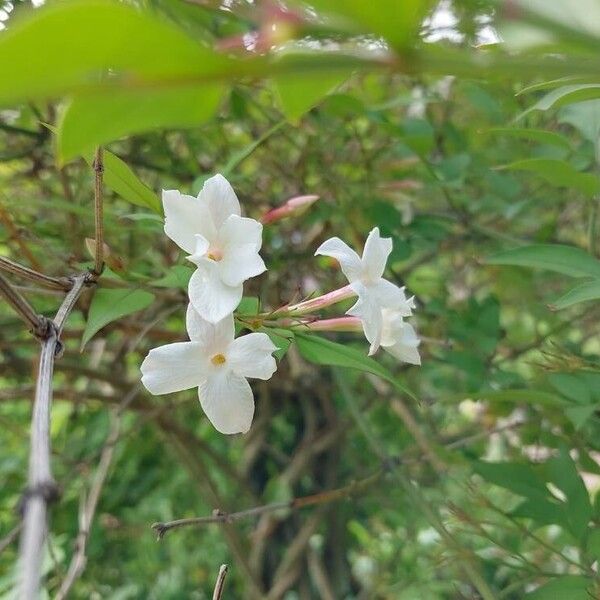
[[520, 478], [321, 351], [567, 587], [562, 472], [535, 135], [108, 305], [91, 120], [593, 543], [299, 93], [178, 276], [565, 95], [68, 47], [122, 180], [590, 290], [282, 338], [249, 305], [535, 397], [567, 260], [558, 172], [398, 23]]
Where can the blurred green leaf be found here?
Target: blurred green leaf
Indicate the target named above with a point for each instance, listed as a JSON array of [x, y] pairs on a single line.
[[398, 22], [590, 290], [535, 135], [282, 338], [68, 46], [108, 305], [567, 260], [93, 119], [565, 95], [558, 172], [566, 587]]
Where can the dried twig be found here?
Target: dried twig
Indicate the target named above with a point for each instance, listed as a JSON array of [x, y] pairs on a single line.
[[55, 283], [220, 583], [218, 516], [38, 324], [42, 489]]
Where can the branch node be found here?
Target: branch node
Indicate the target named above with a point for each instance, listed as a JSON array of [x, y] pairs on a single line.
[[47, 490], [160, 529], [44, 328]]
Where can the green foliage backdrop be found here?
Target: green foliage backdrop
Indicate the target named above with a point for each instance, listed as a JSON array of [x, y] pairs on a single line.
[[475, 475]]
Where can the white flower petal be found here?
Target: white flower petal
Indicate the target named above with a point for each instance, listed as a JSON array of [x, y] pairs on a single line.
[[389, 295], [375, 255], [241, 239], [400, 339], [174, 367], [250, 356], [350, 262], [220, 199], [201, 249], [215, 338], [186, 216], [239, 231], [227, 400], [369, 312], [212, 299], [243, 264]]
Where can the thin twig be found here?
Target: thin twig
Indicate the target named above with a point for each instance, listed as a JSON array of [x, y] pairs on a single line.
[[62, 283], [89, 504], [98, 211], [42, 489], [295, 503], [37, 323], [220, 583]]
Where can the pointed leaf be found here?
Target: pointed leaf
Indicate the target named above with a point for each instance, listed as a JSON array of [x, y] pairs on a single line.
[[568, 260], [108, 305]]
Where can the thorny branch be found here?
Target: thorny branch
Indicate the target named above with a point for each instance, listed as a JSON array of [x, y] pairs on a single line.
[[42, 489]]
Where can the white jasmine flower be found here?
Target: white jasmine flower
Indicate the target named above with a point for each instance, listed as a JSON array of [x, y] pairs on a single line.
[[399, 338], [222, 244], [365, 275], [215, 363]]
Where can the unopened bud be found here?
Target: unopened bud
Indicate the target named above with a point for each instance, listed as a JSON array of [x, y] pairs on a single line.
[[294, 207]]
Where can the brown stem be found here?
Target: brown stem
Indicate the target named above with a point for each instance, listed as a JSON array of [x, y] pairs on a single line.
[[38, 324], [98, 212], [55, 283], [42, 489]]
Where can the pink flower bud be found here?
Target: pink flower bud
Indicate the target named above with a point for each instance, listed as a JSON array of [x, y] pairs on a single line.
[[292, 208]]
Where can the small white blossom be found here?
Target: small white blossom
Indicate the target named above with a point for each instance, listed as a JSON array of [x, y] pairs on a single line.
[[365, 275], [399, 338], [222, 244], [215, 363]]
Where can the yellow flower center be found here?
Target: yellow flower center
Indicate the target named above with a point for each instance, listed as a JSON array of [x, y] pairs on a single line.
[[215, 254], [218, 359]]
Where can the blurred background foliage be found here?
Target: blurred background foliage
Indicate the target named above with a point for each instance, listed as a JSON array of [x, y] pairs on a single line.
[[468, 132]]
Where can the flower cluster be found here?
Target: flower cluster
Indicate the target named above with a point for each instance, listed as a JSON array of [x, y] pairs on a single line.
[[224, 247], [382, 306]]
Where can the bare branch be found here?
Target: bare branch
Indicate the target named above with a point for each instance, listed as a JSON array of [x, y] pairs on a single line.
[[38, 324], [220, 583], [218, 516], [42, 489], [62, 283]]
